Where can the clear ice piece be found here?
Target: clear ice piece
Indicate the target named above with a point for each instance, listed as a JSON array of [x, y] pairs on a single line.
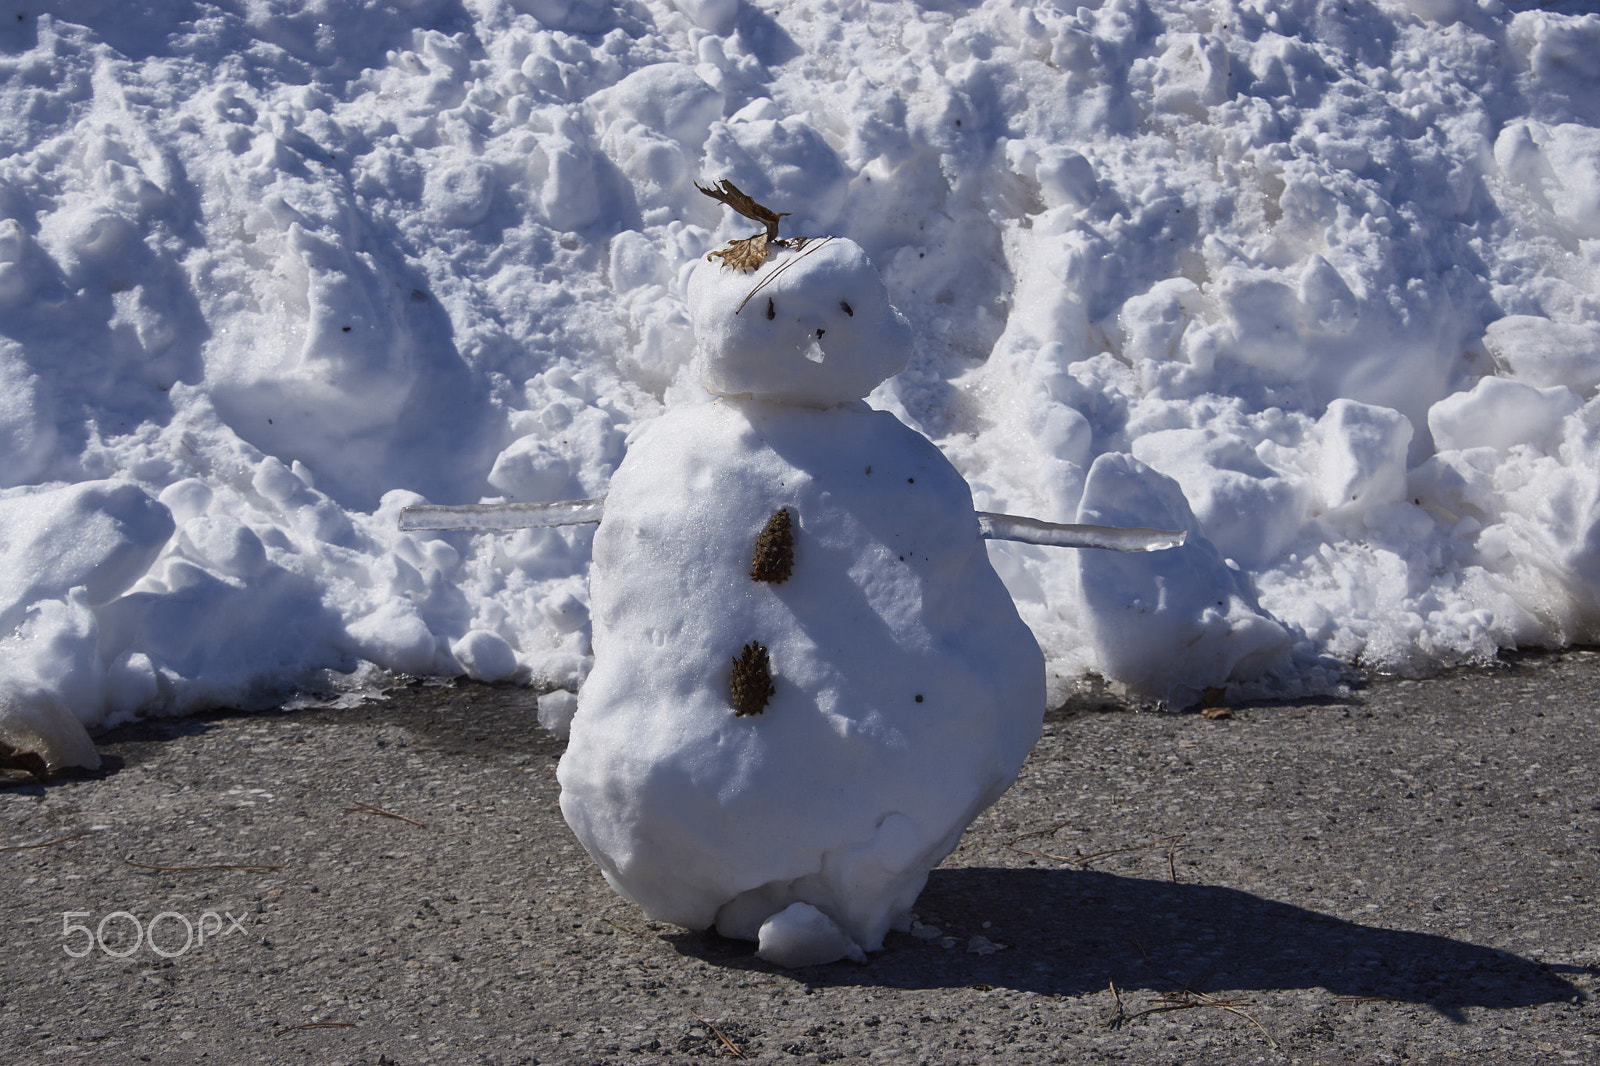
[[501, 516], [993, 526]]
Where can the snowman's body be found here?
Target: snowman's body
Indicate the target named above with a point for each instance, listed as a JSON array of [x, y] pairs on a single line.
[[905, 690]]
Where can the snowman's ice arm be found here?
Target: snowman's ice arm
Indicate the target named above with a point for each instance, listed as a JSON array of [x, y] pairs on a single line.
[[501, 516], [508, 516], [1055, 534]]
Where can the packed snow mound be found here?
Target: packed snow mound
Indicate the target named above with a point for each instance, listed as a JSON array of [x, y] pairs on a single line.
[[811, 326], [291, 266], [905, 690]]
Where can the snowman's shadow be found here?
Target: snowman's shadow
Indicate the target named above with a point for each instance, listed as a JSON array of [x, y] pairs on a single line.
[[1068, 932]]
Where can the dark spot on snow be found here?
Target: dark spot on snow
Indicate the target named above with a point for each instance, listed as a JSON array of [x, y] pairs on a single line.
[[772, 312], [911, 481], [418, 296], [346, 329], [820, 332], [844, 305], [919, 697], [869, 470]]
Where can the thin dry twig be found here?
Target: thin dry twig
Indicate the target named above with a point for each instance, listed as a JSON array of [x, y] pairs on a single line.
[[1116, 1017], [367, 808], [46, 843], [1189, 1000], [1047, 831], [317, 1025], [191, 869], [729, 1044]]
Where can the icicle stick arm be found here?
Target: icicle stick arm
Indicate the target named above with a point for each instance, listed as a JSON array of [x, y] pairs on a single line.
[[504, 517], [501, 516], [1055, 534]]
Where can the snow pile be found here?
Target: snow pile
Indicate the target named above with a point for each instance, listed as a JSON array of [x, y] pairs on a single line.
[[288, 267], [905, 691]]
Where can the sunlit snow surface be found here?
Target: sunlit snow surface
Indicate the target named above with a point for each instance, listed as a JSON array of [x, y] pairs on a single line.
[[1317, 279]]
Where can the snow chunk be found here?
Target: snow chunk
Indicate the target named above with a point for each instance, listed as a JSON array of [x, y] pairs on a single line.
[[1247, 509], [1560, 164], [556, 710], [1543, 353], [800, 935], [485, 656], [27, 434], [714, 15], [1497, 413], [51, 683], [395, 637], [100, 535], [1363, 455]]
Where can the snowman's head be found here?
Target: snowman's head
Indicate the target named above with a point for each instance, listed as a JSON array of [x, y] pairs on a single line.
[[812, 325]]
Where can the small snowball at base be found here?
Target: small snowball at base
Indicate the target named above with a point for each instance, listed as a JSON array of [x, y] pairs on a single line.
[[485, 656]]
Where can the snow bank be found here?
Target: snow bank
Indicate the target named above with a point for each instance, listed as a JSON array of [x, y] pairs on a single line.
[[291, 266]]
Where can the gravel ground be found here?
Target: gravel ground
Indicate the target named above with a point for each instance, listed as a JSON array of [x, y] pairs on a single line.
[[1408, 874]]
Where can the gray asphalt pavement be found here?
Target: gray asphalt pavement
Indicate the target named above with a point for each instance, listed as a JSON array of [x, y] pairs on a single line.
[[1406, 875]]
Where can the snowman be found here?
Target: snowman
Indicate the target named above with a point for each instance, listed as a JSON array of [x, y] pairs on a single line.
[[808, 680]]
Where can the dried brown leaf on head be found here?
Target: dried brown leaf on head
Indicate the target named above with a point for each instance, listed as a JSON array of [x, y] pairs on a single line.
[[743, 255], [748, 253]]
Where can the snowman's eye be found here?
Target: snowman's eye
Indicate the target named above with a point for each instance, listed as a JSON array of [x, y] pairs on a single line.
[[772, 312], [844, 306]]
